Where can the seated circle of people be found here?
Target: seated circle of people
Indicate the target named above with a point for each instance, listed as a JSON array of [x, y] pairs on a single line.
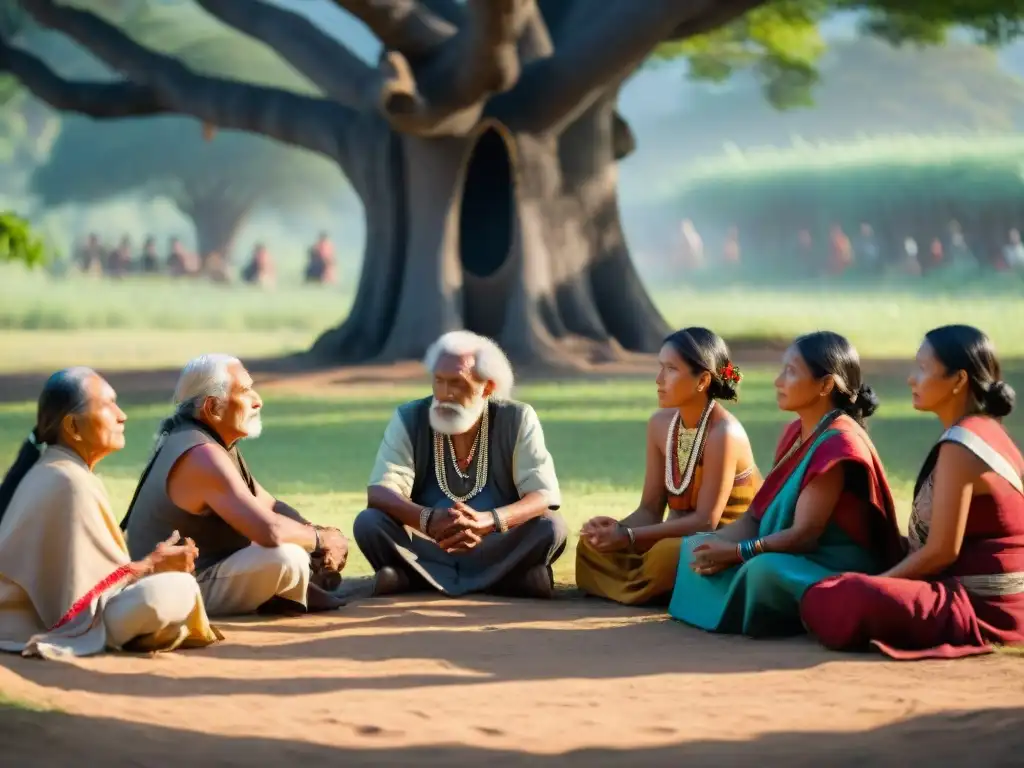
[[463, 495], [68, 586], [824, 508], [256, 553], [959, 591], [699, 464]]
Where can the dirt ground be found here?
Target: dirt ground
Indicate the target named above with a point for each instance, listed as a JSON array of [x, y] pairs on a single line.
[[455, 682]]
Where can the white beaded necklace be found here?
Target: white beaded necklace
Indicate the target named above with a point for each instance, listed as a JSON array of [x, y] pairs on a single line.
[[683, 448], [480, 446]]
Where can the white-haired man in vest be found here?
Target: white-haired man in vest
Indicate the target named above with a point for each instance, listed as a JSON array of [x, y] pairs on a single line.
[[463, 495], [256, 553]]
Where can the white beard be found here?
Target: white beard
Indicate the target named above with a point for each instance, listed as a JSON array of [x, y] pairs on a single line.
[[253, 426], [455, 419]]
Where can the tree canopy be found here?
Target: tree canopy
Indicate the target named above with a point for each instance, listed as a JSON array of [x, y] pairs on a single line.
[[867, 88], [169, 156], [781, 45]]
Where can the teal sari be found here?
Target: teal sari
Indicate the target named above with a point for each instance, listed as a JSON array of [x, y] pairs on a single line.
[[762, 596]]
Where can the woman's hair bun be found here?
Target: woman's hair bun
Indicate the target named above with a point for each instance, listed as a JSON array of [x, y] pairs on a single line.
[[867, 401], [999, 399]]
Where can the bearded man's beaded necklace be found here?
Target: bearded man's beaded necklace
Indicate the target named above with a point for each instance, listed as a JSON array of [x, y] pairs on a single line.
[[480, 450], [683, 448]]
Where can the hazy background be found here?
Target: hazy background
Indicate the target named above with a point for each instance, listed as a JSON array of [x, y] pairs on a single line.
[[867, 89]]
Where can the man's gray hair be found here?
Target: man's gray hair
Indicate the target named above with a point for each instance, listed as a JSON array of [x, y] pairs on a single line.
[[202, 377], [490, 362]]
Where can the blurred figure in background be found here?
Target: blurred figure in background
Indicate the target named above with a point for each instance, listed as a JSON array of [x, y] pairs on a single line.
[[260, 269], [321, 267]]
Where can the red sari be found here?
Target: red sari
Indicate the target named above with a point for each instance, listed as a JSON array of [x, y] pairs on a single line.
[[864, 511], [974, 604]]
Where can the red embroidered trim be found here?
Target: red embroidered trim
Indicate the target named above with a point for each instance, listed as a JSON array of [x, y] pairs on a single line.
[[86, 600]]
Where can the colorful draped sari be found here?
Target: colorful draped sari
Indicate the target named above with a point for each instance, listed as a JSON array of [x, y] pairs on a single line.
[[762, 595], [974, 604]]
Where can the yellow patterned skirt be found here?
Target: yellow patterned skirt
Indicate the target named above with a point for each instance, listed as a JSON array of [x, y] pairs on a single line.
[[630, 578]]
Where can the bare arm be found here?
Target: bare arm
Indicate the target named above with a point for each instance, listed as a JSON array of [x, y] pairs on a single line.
[[720, 457], [813, 509], [530, 506], [205, 477], [279, 507], [957, 473], [394, 505], [740, 530], [653, 497]]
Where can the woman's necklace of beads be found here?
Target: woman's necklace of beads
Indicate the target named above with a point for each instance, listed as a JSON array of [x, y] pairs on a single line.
[[481, 462], [679, 447]]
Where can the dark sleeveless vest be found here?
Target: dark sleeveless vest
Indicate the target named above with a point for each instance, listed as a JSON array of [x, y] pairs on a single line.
[[506, 417], [153, 517]]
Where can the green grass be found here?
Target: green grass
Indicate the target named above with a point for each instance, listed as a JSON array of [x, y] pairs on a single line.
[[317, 453], [46, 324]]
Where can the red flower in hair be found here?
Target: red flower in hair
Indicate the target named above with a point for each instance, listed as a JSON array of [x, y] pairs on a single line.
[[730, 372]]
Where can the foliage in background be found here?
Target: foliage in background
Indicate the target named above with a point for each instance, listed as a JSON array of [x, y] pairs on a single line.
[[229, 175], [780, 44], [18, 243]]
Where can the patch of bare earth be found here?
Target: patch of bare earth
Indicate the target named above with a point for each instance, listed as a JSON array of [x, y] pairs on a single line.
[[503, 682]]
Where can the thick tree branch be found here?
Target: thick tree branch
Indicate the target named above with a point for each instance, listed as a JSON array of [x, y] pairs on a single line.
[[315, 124], [552, 92], [535, 42], [326, 62], [97, 100], [447, 94], [402, 25], [723, 13]]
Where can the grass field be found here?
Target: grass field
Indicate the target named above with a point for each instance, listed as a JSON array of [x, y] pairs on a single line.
[[47, 324], [316, 452]]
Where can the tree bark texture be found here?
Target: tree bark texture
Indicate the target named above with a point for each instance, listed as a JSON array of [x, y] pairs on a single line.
[[483, 146], [513, 236]]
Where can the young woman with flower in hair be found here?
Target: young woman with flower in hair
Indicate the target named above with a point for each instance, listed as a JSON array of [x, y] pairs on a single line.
[[699, 465]]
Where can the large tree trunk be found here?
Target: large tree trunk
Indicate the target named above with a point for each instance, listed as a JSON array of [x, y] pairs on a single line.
[[217, 219], [512, 236]]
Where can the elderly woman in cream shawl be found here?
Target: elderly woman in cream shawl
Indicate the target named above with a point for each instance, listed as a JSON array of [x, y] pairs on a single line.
[[67, 584]]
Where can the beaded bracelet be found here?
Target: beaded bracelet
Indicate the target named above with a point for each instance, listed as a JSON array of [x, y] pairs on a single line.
[[500, 523], [747, 549], [426, 515]]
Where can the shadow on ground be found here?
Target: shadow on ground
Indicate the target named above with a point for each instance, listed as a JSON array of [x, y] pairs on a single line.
[[986, 737]]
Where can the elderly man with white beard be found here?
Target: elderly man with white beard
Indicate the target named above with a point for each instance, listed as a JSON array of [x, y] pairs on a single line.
[[463, 495], [256, 553]]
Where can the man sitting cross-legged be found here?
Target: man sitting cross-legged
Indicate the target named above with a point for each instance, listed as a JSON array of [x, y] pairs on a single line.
[[463, 495], [254, 551]]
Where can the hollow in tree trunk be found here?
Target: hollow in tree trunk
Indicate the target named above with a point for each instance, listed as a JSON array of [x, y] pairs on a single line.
[[508, 235]]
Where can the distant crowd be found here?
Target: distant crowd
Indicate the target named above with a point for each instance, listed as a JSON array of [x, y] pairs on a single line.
[[837, 253], [94, 257]]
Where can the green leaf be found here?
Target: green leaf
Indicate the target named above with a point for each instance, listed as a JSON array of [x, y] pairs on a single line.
[[18, 242]]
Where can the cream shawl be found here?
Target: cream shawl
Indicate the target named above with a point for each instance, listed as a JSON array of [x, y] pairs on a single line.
[[62, 557]]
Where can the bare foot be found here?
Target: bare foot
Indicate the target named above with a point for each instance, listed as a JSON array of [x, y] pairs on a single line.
[[390, 581], [318, 599]]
